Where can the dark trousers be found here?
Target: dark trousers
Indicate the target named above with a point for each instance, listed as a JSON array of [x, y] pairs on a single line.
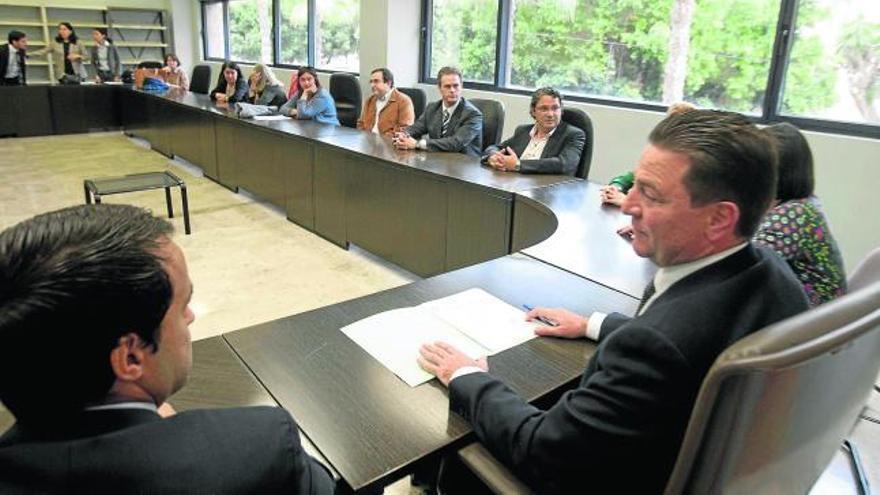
[[15, 81]]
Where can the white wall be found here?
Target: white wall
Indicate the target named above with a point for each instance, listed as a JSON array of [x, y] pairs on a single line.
[[847, 168]]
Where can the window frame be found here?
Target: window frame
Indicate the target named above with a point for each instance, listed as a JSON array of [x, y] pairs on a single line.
[[276, 38], [770, 111]]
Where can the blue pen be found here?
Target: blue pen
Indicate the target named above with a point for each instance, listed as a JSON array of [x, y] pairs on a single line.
[[546, 321]]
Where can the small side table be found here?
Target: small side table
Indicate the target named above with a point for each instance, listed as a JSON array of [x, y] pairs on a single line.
[[96, 188]]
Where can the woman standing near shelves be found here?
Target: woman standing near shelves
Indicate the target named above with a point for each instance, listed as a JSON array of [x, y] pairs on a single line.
[[105, 57], [68, 55]]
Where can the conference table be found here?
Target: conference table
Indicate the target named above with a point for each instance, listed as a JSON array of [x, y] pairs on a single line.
[[540, 240]]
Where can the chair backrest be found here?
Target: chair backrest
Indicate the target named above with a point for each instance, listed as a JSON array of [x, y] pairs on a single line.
[[493, 120], [866, 272], [294, 83], [149, 64], [201, 79], [775, 407], [580, 119], [418, 97], [346, 92]]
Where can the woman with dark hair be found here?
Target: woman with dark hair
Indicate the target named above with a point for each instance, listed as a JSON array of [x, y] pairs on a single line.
[[105, 57], [173, 74], [310, 102], [795, 226], [68, 55], [231, 86]]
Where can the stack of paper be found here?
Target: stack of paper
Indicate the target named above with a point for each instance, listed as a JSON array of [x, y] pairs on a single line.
[[474, 321]]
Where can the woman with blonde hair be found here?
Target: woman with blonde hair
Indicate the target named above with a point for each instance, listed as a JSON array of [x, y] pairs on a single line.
[[264, 88]]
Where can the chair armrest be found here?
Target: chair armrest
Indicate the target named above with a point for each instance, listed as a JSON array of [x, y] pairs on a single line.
[[490, 471]]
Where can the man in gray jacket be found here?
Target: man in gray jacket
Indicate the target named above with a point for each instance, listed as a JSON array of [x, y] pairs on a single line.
[[451, 124]]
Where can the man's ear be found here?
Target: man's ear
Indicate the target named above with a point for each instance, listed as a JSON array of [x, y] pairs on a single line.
[[722, 221], [127, 358]]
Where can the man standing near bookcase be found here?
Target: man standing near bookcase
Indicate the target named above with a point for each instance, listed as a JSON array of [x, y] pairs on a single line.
[[13, 65]]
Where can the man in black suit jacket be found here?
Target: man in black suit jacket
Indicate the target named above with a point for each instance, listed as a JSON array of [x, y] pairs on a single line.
[[701, 187], [451, 124], [13, 60], [549, 146], [94, 337]]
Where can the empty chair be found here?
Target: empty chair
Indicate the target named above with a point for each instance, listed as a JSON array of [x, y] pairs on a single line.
[[201, 79], [346, 91], [418, 97], [867, 271], [493, 120], [580, 119]]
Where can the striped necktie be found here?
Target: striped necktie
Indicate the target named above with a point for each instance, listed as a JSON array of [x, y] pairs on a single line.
[[649, 291], [445, 125]]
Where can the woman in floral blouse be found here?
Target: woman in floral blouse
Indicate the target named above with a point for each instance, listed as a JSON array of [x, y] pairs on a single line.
[[795, 226]]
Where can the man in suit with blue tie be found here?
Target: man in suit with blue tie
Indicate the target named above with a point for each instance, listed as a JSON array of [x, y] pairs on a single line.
[[549, 146], [94, 338], [702, 185], [13, 60], [451, 124]]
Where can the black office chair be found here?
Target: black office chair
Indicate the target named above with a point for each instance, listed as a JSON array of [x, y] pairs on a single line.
[[201, 79], [493, 120], [346, 91], [580, 119], [150, 64], [418, 97]]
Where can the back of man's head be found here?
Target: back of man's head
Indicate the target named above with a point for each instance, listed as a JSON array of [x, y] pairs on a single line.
[[730, 160], [72, 282]]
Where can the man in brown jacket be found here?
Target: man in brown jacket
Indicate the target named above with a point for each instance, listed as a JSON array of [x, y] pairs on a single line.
[[394, 109]]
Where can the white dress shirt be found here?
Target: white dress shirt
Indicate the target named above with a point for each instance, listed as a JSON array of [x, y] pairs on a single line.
[[380, 104], [423, 144], [535, 148], [147, 406], [12, 69]]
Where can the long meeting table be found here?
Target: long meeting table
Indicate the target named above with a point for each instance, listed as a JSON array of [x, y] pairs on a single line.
[[541, 240]]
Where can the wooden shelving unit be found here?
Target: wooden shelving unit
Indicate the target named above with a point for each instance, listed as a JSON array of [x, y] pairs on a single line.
[[139, 34]]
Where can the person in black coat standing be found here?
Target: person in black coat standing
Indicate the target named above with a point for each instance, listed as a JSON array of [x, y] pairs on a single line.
[[701, 187]]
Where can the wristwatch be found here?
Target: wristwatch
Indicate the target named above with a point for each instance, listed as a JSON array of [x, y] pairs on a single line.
[[518, 166]]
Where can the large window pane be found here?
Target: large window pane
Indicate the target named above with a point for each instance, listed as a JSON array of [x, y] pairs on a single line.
[[715, 53], [294, 32], [463, 34], [834, 69], [337, 35], [214, 37], [250, 30]]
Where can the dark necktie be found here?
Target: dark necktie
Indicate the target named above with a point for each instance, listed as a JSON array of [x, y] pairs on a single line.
[[649, 291], [445, 125], [21, 67]]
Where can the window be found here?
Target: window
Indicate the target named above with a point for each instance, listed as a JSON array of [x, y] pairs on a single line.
[[337, 36], [463, 35], [321, 33], [294, 32], [214, 21], [250, 30], [834, 69], [727, 54]]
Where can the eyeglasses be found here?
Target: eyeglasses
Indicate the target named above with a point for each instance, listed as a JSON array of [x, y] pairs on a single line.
[[545, 109]]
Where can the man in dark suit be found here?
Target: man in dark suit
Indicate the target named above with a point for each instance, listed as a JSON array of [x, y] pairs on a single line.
[[549, 146], [451, 124], [94, 337], [13, 64], [701, 187]]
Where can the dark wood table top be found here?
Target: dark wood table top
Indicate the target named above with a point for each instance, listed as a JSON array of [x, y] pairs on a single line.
[[585, 241], [454, 166], [370, 425]]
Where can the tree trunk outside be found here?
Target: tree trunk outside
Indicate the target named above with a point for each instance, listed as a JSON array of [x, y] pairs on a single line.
[[679, 42]]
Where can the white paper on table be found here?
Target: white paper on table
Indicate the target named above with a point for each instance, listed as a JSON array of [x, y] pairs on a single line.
[[271, 117], [394, 337], [491, 322]]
